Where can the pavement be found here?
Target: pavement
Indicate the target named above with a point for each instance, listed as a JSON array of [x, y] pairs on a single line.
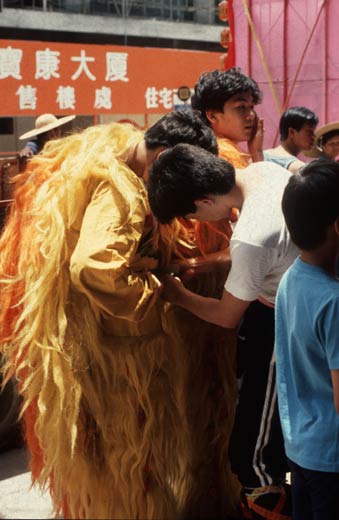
[[17, 498]]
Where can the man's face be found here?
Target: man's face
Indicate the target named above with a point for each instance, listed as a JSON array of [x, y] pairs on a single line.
[[331, 148], [304, 138], [211, 209], [237, 119]]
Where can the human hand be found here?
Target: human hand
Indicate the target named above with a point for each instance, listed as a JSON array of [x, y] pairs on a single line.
[[172, 289], [26, 152], [256, 141]]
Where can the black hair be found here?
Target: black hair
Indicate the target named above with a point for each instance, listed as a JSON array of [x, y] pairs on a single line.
[[310, 203], [326, 137], [214, 88], [296, 118], [184, 174], [181, 126]]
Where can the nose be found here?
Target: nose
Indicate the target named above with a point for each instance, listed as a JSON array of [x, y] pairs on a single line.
[[250, 113]]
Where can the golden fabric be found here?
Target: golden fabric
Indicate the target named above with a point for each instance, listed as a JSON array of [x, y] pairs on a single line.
[[109, 373]]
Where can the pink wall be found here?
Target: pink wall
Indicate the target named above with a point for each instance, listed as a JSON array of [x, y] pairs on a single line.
[[283, 28]]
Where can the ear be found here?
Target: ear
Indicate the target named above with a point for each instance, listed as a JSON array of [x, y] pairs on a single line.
[[291, 132], [336, 226], [211, 116], [202, 203], [159, 151]]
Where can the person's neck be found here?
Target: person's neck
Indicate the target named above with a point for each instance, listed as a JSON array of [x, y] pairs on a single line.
[[290, 148], [140, 158], [137, 158], [325, 258]]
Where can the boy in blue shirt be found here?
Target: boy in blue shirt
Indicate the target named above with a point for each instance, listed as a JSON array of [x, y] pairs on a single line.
[[307, 342]]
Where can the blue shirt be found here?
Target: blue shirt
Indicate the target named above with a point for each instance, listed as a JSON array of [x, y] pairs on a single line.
[[307, 348], [283, 160]]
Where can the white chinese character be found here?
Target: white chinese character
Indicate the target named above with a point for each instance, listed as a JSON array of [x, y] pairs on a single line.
[[151, 96], [66, 97], [116, 66], [83, 59], [166, 97], [47, 64], [103, 98], [27, 97], [10, 60]]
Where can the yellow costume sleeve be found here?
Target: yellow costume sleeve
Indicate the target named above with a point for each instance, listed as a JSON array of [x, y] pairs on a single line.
[[107, 264]]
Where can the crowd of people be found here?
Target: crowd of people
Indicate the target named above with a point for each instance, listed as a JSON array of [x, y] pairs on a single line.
[[168, 308]]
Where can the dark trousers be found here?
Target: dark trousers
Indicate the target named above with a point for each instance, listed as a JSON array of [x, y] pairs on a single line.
[[315, 494], [257, 449]]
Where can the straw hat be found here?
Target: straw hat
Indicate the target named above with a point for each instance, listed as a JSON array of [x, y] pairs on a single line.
[[315, 150], [44, 123]]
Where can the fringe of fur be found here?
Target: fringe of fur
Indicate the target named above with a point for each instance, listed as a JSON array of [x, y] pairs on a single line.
[[109, 421]]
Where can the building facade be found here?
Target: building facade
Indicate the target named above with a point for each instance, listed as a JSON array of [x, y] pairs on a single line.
[[126, 53]]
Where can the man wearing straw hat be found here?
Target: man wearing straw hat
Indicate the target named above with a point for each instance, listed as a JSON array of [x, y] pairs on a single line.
[[47, 127]]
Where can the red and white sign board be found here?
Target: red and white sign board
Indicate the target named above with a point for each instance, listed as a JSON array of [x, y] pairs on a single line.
[[64, 78]]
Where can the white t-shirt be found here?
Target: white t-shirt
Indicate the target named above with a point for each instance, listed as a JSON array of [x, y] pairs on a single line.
[[261, 249]]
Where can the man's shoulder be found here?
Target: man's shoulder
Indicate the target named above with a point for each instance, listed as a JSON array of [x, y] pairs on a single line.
[[278, 151], [231, 152]]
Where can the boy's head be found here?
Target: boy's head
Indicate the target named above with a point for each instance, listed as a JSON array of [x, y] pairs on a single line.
[[226, 100], [310, 203], [181, 126], [297, 125], [187, 181]]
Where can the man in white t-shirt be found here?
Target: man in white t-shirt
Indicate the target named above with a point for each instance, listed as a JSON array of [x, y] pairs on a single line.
[[189, 182]]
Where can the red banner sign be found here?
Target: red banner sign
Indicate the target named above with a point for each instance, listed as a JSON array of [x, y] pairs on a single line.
[[64, 78]]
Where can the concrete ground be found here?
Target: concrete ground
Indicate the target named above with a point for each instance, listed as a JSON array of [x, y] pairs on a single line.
[[17, 499]]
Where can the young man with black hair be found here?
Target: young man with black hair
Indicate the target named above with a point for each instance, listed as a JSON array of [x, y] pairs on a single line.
[[190, 182], [226, 100], [297, 126], [307, 342]]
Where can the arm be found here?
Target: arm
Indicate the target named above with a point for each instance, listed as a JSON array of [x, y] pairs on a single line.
[[295, 166], [327, 331], [226, 312], [335, 383], [217, 262]]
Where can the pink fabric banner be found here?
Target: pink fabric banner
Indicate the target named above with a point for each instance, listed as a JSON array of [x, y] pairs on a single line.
[[299, 41]]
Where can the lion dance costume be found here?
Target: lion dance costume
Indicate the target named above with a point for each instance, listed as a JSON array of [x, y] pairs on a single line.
[[125, 417]]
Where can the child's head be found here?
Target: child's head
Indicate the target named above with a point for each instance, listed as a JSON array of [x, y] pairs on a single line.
[[226, 100], [310, 203], [298, 125]]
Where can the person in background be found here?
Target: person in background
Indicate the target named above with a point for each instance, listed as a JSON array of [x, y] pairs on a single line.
[[326, 145], [307, 342], [46, 127], [297, 126], [226, 100], [189, 182]]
